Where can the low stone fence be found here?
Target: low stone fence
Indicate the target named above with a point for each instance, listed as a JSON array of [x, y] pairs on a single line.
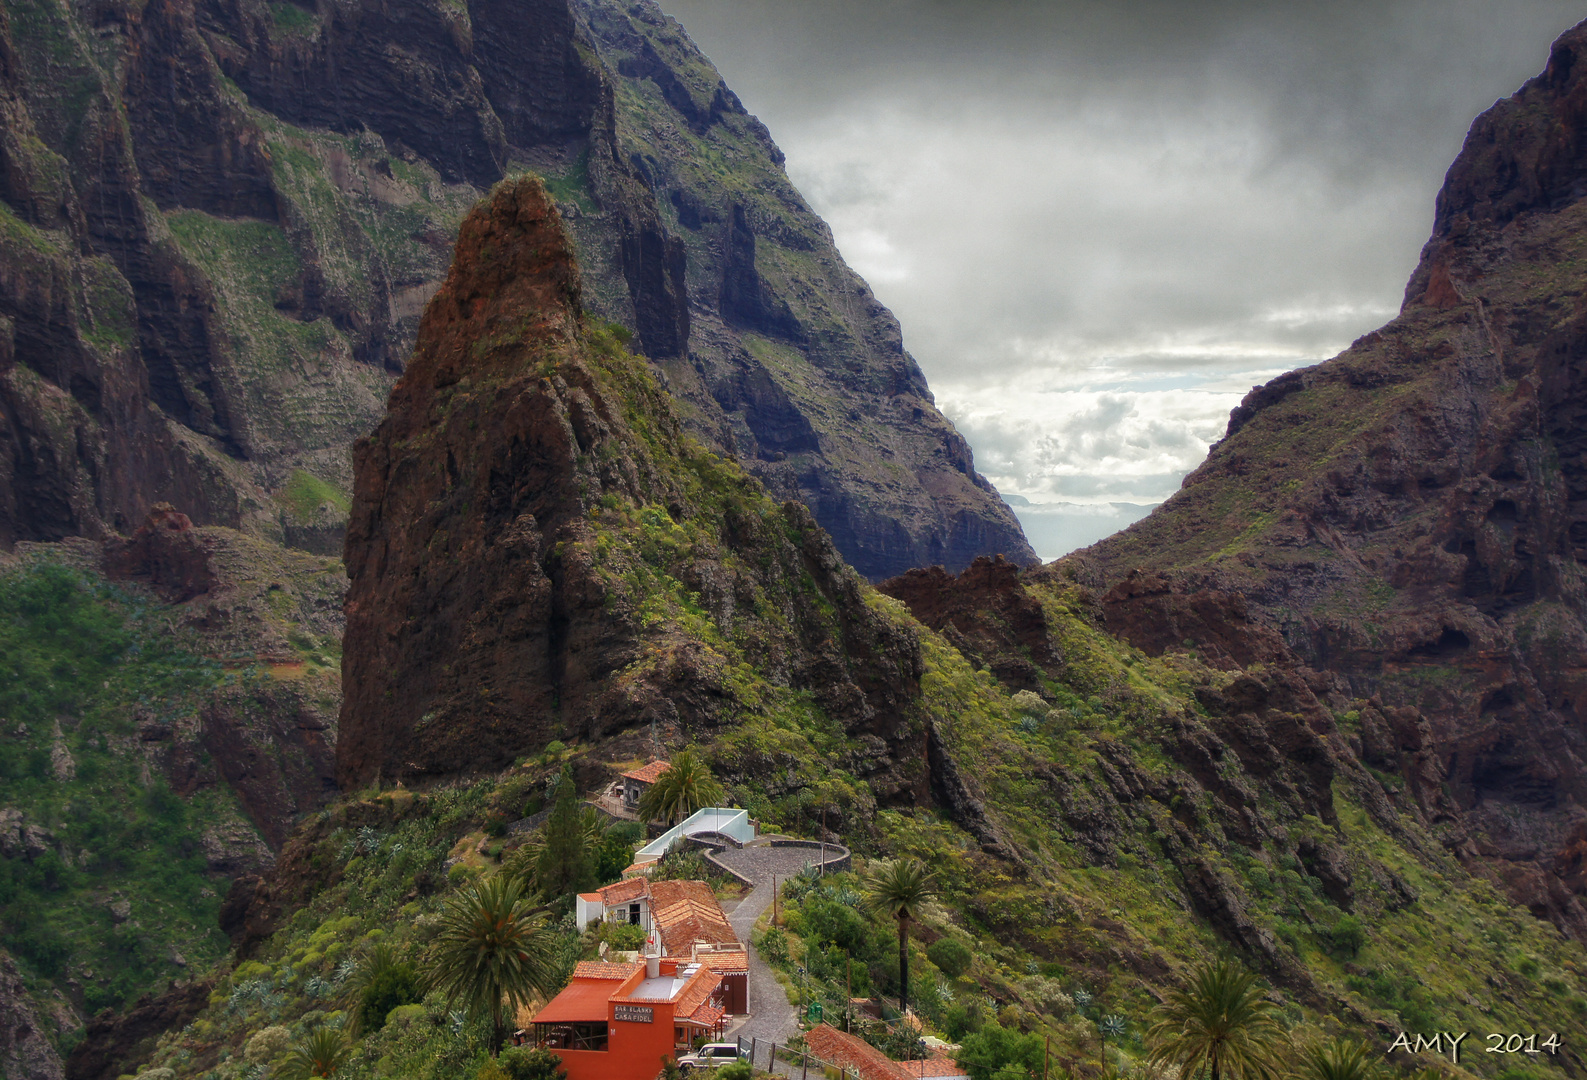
[[837, 856]]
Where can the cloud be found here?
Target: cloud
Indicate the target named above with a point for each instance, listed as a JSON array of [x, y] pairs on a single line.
[[1101, 221]]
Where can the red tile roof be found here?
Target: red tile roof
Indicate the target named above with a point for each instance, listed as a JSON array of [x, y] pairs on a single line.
[[583, 1002], [601, 969], [689, 923], [624, 891], [697, 991], [725, 963], [935, 1068], [648, 774], [666, 893], [847, 1052], [706, 1015]]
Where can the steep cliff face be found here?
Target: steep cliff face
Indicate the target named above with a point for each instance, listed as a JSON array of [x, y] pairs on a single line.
[[538, 551], [226, 216], [1412, 515]]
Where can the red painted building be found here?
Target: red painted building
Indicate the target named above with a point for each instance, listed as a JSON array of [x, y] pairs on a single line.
[[621, 1021]]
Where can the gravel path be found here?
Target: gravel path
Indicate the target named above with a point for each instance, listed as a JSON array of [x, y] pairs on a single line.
[[773, 1019]]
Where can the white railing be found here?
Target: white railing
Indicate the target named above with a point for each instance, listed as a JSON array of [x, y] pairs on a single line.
[[727, 820]]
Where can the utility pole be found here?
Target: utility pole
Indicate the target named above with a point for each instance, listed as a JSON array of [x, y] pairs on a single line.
[[848, 978], [774, 899], [1045, 1054], [823, 841]]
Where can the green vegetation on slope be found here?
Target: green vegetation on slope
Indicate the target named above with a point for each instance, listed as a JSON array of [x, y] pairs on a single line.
[[1076, 906], [105, 879]]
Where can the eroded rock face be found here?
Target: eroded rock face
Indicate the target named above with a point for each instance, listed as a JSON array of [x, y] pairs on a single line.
[[1411, 516], [1264, 735], [25, 1050], [204, 295], [484, 617], [166, 553], [987, 615], [114, 1043]]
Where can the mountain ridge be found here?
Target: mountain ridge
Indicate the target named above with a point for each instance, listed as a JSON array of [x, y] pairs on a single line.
[[244, 206], [1410, 515]]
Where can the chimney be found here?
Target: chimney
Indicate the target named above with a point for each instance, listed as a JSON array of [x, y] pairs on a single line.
[[652, 967]]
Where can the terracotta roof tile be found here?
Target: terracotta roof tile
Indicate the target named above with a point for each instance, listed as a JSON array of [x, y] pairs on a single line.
[[725, 963], [601, 969], [706, 1015], [688, 923], [624, 891], [583, 1001], [697, 991], [845, 1051], [666, 893], [648, 774]]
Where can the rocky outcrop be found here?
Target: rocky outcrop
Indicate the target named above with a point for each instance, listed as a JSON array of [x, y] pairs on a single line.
[[165, 552], [988, 616], [498, 599], [223, 219], [114, 1044], [1410, 516], [26, 1052]]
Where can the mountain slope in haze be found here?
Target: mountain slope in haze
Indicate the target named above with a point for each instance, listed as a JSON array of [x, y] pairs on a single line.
[[222, 219], [1412, 515]]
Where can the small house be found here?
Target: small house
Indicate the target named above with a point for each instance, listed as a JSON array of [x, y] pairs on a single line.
[[636, 781]]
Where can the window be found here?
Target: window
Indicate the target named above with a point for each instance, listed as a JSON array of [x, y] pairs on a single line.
[[633, 914]]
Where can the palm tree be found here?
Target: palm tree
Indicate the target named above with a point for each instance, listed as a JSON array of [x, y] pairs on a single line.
[[685, 787], [321, 1054], [1219, 1023], [494, 948], [899, 889], [1337, 1060]]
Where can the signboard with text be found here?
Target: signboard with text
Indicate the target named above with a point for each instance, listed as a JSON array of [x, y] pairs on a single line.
[[635, 1014]]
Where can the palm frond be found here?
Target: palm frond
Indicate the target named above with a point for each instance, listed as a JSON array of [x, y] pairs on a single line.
[[1219, 1024], [322, 1053]]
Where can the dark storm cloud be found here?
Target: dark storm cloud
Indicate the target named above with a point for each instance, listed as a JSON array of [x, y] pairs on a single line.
[[1101, 222]]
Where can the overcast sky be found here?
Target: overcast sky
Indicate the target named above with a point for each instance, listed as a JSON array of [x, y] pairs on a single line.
[[1101, 222]]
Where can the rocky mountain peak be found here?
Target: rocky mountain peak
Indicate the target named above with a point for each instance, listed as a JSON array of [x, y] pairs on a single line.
[[534, 541], [1525, 155]]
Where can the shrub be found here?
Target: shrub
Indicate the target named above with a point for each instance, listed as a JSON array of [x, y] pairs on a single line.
[[962, 1019], [950, 955], [393, 985], [1048, 995], [267, 1044], [1348, 935], [626, 937], [988, 1052], [773, 946], [1030, 703], [523, 1063], [738, 1070]]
